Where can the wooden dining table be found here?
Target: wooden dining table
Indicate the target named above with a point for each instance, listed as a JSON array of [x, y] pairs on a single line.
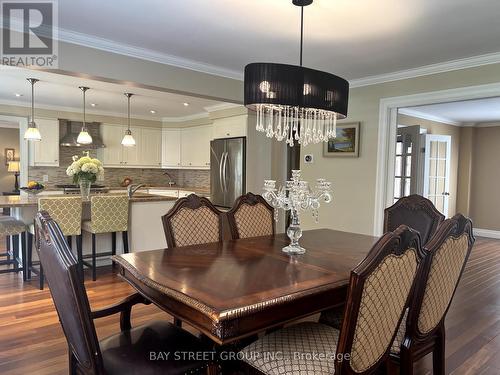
[[234, 289]]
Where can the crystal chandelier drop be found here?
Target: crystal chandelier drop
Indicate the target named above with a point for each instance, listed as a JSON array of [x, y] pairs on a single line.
[[293, 103]]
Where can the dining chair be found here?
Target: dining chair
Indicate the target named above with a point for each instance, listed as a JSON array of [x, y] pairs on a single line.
[[108, 214], [415, 211], [378, 293], [423, 330], [127, 352], [251, 216], [67, 212], [193, 220]]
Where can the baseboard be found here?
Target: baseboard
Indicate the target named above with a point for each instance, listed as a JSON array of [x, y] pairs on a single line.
[[487, 233]]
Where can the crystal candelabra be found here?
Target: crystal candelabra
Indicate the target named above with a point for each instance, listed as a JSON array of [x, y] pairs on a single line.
[[296, 196]]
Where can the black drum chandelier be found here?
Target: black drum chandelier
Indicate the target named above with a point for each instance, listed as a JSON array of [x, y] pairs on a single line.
[[294, 103]]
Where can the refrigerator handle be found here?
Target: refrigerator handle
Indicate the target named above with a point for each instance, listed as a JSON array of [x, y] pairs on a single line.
[[224, 170], [220, 172]]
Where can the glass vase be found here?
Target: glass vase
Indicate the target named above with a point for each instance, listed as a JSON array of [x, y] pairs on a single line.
[[294, 232], [85, 188]]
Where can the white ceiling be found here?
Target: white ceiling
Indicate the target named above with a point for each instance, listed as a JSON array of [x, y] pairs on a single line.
[[457, 113], [353, 39], [61, 92]]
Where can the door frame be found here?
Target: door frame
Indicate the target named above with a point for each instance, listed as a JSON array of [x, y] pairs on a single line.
[[388, 111], [23, 145]]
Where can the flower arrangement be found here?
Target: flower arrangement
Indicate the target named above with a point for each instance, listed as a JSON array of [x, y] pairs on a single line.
[[85, 168]]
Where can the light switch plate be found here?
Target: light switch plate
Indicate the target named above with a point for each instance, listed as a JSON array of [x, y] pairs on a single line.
[[309, 158], [45, 178]]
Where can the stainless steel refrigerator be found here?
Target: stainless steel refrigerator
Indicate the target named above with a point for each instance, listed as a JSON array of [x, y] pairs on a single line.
[[227, 170]]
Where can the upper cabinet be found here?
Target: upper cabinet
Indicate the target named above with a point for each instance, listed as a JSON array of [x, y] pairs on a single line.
[[45, 153], [171, 150], [195, 147], [145, 154], [229, 127]]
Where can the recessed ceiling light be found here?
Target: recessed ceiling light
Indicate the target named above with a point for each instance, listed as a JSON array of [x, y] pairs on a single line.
[[93, 105], [18, 95], [185, 104], [152, 111]]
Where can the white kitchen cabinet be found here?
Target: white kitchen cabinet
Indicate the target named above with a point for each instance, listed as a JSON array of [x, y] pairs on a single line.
[[195, 147], [171, 148], [145, 154], [150, 147], [45, 153], [112, 154], [229, 127]]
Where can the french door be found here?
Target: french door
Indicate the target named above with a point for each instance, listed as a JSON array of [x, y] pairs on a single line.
[[437, 171], [407, 161]]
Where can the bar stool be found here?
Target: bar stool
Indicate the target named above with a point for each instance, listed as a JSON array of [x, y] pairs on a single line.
[[108, 214], [67, 212], [12, 228]]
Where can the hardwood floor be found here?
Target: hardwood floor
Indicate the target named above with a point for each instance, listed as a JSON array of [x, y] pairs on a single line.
[[32, 342]]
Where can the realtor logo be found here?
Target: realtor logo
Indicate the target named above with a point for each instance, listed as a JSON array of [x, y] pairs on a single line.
[[29, 31]]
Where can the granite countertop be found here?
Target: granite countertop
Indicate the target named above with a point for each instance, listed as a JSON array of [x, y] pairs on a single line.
[[30, 201], [193, 189]]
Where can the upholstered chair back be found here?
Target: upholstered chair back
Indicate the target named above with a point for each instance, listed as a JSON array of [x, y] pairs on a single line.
[[109, 213], [192, 221], [65, 211], [448, 252], [378, 295], [251, 216], [68, 293], [415, 211]]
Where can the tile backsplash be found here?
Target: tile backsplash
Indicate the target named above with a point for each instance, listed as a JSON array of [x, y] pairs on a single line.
[[114, 176]]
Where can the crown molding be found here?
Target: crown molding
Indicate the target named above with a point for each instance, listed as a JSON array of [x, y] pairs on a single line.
[[8, 125], [468, 62], [59, 108], [221, 107], [489, 124], [196, 116], [425, 116]]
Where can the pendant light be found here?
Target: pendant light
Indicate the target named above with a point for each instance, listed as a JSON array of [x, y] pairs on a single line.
[[32, 133], [84, 138], [294, 103], [128, 140]]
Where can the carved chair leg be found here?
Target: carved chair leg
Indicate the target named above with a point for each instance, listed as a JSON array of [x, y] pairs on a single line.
[[72, 364], [438, 355], [406, 362]]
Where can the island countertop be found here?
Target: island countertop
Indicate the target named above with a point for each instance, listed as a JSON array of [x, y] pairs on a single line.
[[12, 201]]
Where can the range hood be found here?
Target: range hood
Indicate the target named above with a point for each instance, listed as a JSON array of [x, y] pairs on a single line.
[[73, 129]]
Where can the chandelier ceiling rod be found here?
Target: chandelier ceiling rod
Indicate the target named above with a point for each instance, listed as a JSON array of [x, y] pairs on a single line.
[[301, 31]]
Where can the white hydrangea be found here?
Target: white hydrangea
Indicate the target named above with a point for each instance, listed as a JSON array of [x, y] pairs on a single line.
[[70, 171], [90, 168]]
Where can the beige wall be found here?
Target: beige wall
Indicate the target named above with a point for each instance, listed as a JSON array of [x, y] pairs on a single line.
[[9, 138], [434, 127], [484, 200], [354, 178]]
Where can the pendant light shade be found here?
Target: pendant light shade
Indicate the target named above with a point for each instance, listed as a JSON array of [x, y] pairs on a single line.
[[295, 103], [128, 140], [32, 133], [84, 138]]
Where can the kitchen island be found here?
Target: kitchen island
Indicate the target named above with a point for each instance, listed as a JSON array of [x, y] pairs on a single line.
[[145, 225]]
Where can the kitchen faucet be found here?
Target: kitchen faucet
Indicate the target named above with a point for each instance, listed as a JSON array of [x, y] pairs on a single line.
[[131, 189], [170, 181]]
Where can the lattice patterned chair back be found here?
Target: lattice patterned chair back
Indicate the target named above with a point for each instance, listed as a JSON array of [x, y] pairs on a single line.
[[193, 220], [65, 211], [109, 213], [378, 295], [448, 252], [415, 211], [68, 293], [251, 216]]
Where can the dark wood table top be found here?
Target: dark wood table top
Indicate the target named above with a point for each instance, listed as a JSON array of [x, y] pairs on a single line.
[[236, 288]]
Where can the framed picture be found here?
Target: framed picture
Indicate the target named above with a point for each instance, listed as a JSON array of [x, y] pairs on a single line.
[[10, 155], [346, 144]]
